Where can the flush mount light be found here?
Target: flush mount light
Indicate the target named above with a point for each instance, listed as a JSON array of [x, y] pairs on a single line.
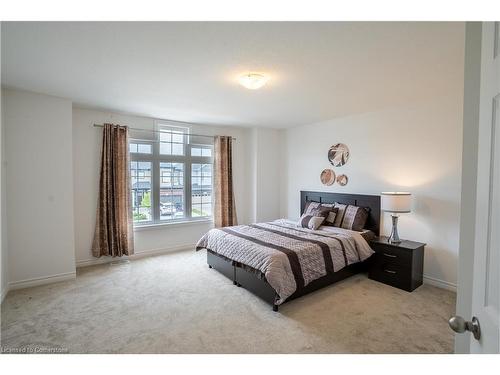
[[253, 81]]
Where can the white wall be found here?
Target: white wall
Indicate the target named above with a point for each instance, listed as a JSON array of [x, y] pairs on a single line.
[[266, 160], [39, 184], [86, 163], [416, 148]]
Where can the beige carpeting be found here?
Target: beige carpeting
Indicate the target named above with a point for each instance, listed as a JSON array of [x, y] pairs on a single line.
[[175, 304]]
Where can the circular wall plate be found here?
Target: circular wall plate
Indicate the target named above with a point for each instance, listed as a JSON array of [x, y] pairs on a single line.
[[342, 179], [338, 154], [327, 177]]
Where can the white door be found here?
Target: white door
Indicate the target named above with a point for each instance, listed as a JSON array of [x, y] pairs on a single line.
[[486, 267]]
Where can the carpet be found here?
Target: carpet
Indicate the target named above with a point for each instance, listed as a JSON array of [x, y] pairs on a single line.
[[174, 303]]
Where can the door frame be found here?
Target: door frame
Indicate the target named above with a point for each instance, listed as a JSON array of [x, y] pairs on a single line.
[[471, 110]]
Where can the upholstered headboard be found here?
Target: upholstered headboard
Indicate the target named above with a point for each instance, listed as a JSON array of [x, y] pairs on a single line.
[[370, 201]]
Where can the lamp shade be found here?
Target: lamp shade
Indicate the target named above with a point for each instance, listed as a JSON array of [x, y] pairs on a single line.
[[396, 202]]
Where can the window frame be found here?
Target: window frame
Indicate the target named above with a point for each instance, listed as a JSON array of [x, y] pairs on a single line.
[[187, 160], [144, 222], [139, 142], [201, 177]]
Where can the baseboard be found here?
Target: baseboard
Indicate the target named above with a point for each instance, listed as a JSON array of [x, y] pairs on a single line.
[[41, 280], [142, 254], [83, 263], [172, 249], [440, 283]]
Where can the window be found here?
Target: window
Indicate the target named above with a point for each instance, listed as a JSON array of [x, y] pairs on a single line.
[[171, 178], [140, 148], [198, 150], [201, 190], [140, 175], [171, 191]]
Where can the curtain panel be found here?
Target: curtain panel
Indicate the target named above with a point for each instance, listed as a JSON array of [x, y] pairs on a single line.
[[224, 210], [113, 234]]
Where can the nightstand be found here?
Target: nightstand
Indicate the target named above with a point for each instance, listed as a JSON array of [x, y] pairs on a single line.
[[399, 265]]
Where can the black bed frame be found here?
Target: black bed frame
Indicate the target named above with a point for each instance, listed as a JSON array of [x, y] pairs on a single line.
[[242, 277]]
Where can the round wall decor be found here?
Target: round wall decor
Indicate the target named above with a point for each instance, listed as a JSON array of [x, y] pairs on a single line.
[[338, 154], [342, 180], [327, 177]]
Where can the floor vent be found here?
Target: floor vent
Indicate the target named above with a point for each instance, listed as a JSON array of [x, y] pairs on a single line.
[[119, 262]]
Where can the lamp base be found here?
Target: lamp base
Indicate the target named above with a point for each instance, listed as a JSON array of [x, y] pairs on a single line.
[[394, 237]]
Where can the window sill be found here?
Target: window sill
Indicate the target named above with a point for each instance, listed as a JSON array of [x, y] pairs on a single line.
[[139, 228]]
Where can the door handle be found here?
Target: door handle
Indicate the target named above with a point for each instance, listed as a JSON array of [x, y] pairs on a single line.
[[460, 325]]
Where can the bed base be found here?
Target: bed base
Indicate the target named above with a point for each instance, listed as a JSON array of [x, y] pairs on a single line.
[[259, 286]]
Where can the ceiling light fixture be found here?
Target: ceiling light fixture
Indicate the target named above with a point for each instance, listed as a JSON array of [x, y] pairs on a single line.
[[253, 81]]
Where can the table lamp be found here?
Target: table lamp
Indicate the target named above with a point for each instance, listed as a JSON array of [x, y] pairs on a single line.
[[395, 203]]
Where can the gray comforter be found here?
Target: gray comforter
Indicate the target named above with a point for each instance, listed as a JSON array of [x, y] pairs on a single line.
[[290, 257]]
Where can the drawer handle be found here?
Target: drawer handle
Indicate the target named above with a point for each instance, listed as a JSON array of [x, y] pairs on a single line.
[[389, 271], [390, 255]]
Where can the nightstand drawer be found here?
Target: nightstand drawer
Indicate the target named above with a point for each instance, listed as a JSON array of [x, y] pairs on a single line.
[[384, 259], [391, 274], [394, 254]]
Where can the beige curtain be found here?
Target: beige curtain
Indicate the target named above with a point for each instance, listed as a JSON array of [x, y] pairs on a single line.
[[225, 210], [113, 234]]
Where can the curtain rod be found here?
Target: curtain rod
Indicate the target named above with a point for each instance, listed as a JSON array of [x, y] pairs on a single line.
[[159, 131]]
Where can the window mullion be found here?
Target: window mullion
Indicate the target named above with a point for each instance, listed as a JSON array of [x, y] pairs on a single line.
[[187, 180], [187, 188], [155, 182], [155, 201]]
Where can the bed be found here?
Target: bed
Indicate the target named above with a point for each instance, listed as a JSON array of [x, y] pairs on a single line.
[[278, 261]]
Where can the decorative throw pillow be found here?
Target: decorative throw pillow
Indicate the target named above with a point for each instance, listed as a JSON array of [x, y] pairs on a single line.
[[322, 210], [310, 206], [330, 219], [354, 218], [314, 218], [340, 214], [311, 222]]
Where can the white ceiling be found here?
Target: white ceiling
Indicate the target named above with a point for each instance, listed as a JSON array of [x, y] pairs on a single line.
[[186, 71]]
